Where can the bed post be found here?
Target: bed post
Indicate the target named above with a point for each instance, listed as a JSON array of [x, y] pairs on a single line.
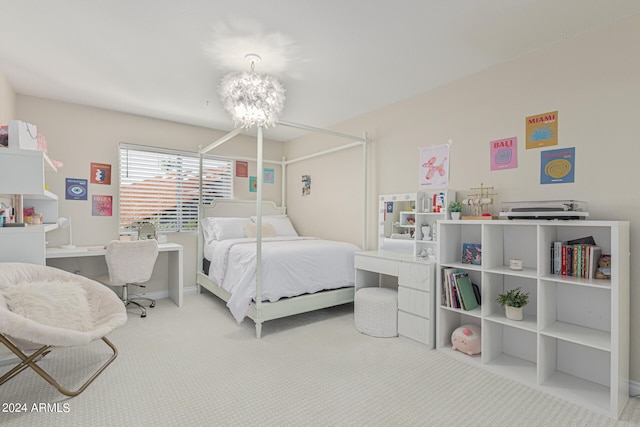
[[260, 176]]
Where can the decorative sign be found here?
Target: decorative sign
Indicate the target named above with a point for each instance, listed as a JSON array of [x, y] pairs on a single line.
[[542, 130], [269, 176], [76, 189], [306, 185], [101, 205], [557, 166], [434, 167], [242, 169], [100, 173], [504, 153], [253, 184]]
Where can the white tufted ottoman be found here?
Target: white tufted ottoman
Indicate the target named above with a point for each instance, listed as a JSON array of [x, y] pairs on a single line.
[[376, 312]]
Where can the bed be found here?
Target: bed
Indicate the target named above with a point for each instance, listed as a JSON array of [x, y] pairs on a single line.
[[322, 275]]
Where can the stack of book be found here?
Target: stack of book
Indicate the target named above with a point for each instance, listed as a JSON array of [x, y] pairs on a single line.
[[458, 291], [575, 259]]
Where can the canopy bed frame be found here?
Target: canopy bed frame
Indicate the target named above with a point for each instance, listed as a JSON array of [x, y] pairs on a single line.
[[261, 311]]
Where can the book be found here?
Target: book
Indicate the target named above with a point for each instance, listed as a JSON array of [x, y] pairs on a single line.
[[472, 253], [476, 291], [465, 291]]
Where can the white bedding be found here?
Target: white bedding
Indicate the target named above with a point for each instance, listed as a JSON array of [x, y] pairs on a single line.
[[291, 266]]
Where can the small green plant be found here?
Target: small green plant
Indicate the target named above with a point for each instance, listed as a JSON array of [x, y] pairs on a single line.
[[513, 298], [455, 207]]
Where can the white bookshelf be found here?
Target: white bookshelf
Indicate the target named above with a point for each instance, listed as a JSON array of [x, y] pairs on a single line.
[[23, 173], [574, 339]]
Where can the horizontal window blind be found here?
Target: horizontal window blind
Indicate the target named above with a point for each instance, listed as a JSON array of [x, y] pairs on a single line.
[[161, 186]]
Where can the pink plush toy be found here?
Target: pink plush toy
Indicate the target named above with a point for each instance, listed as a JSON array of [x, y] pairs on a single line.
[[467, 339]]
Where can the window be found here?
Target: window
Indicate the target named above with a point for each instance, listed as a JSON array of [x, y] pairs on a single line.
[[161, 186]]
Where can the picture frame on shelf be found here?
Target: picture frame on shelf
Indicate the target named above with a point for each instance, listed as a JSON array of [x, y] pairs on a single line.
[[472, 253]]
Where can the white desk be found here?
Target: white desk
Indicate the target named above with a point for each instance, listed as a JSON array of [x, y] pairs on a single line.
[[174, 252], [416, 292]]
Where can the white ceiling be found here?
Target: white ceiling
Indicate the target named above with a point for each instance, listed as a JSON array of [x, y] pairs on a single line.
[[338, 59]]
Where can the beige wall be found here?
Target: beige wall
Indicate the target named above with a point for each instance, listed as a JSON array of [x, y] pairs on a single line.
[[77, 136], [7, 100], [591, 80]]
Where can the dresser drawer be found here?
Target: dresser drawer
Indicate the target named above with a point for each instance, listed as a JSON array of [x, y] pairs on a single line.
[[416, 275], [377, 265], [414, 327], [414, 302]]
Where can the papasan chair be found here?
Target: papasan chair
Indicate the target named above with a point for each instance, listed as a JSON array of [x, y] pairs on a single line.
[[42, 308]]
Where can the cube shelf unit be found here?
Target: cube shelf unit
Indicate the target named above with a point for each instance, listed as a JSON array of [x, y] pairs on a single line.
[[574, 339]]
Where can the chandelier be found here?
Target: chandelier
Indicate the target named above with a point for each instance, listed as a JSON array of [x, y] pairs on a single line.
[[252, 98]]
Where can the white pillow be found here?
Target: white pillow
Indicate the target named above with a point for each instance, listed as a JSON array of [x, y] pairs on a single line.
[[207, 230], [227, 228], [281, 223], [251, 230]]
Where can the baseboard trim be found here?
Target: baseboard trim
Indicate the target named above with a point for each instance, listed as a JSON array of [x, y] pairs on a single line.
[[165, 294]]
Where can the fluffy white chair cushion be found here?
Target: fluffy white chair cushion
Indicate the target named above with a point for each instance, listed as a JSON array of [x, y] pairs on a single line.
[[105, 310], [55, 303]]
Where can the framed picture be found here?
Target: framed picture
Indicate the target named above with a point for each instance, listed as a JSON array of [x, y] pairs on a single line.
[[472, 253]]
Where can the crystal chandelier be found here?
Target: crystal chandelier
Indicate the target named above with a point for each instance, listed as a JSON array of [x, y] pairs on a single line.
[[252, 98]]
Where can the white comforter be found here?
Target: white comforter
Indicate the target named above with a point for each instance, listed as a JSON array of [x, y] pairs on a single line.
[[291, 266]]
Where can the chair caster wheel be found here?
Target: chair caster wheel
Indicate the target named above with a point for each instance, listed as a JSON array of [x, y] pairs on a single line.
[[143, 315], [153, 304]]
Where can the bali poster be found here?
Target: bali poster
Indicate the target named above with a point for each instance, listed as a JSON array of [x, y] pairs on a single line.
[[504, 153], [434, 167]]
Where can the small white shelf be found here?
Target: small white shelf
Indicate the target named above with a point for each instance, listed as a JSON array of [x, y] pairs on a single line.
[[23, 172], [528, 322], [579, 335]]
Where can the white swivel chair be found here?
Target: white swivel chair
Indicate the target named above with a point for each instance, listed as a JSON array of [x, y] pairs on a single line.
[[130, 263]]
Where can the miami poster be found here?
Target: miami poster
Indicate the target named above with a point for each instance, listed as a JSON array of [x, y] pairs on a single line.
[[542, 130], [558, 166]]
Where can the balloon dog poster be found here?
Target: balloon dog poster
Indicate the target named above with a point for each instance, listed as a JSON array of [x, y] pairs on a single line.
[[434, 167]]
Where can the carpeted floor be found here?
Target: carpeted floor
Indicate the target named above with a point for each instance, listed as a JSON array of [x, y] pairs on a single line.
[[193, 366]]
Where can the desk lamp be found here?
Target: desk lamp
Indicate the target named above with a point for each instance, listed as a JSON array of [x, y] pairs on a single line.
[[66, 223]]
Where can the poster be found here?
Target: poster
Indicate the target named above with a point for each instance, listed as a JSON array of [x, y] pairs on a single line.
[[542, 130], [75, 189], [504, 153], [557, 166], [100, 173], [101, 205], [306, 185], [269, 176], [242, 169], [253, 184], [434, 167]]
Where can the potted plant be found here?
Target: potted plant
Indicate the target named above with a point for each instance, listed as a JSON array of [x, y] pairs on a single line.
[[513, 301], [456, 209]]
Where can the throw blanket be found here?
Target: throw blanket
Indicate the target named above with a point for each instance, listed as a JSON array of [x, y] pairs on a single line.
[[291, 266]]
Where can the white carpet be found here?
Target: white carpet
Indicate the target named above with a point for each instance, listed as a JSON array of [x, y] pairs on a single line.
[[194, 366]]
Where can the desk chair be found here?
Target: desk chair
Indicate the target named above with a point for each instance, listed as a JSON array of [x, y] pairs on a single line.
[[130, 263]]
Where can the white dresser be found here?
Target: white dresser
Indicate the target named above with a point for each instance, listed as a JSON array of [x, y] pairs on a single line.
[[416, 293]]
